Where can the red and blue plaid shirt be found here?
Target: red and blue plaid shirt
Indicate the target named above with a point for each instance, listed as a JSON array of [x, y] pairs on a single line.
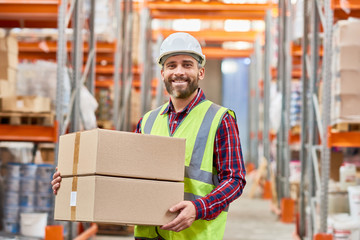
[[228, 160]]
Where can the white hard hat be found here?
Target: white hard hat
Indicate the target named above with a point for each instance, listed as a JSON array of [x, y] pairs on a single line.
[[181, 43]]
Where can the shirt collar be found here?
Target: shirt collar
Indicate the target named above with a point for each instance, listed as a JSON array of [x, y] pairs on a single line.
[[200, 96]]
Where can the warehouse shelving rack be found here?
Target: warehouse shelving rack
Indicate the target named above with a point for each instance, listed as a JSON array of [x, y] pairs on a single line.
[[38, 13], [313, 195]]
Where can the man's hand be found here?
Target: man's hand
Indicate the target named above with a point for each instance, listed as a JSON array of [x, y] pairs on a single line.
[[56, 181], [185, 218]]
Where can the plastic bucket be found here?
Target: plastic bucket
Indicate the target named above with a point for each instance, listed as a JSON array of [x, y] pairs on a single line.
[[11, 226], [28, 170], [27, 199], [13, 170], [43, 186], [45, 171], [346, 228], [354, 201], [28, 185], [11, 199], [12, 184], [33, 224]]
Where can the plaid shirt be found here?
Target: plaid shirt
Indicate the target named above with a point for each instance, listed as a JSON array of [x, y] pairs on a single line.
[[227, 159]]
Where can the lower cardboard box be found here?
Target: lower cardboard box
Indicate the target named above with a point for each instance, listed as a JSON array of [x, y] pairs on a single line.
[[117, 200]]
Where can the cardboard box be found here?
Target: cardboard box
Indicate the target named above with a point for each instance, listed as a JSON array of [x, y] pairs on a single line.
[[124, 154], [346, 106], [7, 88], [346, 33], [26, 104], [9, 44], [8, 60], [8, 74], [117, 200], [347, 82], [347, 58]]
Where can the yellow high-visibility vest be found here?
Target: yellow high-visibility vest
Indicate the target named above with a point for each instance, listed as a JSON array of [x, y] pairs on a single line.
[[199, 129]]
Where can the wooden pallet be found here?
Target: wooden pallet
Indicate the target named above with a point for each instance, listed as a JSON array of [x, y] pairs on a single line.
[[346, 126], [119, 230], [22, 118]]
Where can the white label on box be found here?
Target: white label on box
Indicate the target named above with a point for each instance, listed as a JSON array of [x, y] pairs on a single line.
[[73, 199], [19, 103]]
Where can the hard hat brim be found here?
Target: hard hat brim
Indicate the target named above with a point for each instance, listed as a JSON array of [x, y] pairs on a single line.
[[162, 58]]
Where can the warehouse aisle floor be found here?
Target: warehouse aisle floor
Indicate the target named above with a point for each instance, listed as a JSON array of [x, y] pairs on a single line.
[[248, 219]]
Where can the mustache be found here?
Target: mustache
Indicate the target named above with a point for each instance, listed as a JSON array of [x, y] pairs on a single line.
[[183, 78]]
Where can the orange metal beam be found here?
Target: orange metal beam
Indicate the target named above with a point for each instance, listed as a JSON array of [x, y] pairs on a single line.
[[343, 139], [220, 53], [351, 4], [31, 133], [51, 46], [213, 35], [35, 13], [211, 10]]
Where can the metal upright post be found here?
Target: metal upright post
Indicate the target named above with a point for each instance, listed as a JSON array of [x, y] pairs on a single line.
[[77, 47], [92, 48], [267, 82], [257, 98], [60, 71], [160, 85], [147, 61], [280, 79], [326, 103], [287, 85], [251, 111], [117, 62], [127, 67], [304, 141]]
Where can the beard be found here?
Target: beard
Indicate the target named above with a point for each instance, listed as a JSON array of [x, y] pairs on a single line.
[[182, 93]]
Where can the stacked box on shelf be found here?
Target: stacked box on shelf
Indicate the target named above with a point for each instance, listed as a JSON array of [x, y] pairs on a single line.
[[346, 72], [8, 65]]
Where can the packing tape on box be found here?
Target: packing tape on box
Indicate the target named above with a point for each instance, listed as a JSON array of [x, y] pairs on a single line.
[[75, 178]]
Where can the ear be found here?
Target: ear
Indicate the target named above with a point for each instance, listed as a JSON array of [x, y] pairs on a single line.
[[162, 75], [201, 73]]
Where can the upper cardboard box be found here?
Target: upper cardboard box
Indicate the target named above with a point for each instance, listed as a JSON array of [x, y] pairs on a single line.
[[9, 44], [34, 104], [346, 33], [125, 154]]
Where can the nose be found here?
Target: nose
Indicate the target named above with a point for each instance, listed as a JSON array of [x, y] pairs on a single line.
[[178, 71]]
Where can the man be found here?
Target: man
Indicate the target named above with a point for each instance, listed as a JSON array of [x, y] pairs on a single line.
[[214, 168]]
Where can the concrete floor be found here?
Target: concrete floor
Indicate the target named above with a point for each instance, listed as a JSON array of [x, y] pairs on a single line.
[[248, 219]]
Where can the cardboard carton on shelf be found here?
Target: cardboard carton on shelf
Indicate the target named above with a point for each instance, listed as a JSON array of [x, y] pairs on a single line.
[[7, 88], [117, 200], [9, 44], [346, 82], [33, 104], [346, 58], [7, 73], [123, 154], [346, 106], [8, 60], [346, 33]]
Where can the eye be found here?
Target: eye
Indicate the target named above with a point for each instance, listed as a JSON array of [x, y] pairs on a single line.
[[170, 66]]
